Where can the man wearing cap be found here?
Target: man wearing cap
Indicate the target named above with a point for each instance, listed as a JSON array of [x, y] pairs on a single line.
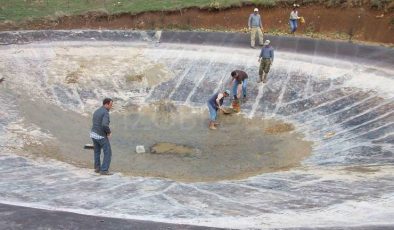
[[214, 104], [255, 26], [266, 59]]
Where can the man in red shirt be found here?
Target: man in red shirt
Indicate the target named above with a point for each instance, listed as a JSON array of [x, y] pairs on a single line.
[[239, 77]]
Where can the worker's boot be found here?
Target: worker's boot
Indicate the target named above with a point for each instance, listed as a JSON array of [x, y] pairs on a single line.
[[212, 125], [260, 79], [265, 77]]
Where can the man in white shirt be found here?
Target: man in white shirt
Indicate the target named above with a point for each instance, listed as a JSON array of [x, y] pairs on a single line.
[[293, 19]]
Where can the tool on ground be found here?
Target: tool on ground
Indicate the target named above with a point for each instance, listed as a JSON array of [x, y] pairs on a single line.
[[228, 111], [88, 146]]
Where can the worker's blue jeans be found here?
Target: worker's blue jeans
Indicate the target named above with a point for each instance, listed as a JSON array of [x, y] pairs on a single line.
[[106, 146], [235, 88], [212, 112], [293, 25]]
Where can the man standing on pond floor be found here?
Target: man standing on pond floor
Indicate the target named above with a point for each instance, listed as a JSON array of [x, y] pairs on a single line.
[[266, 59], [256, 27], [101, 134]]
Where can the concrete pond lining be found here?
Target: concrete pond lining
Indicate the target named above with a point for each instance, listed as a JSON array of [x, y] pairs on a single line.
[[337, 95]]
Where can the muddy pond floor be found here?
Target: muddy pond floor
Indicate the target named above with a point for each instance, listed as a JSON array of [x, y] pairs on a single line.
[[178, 144]]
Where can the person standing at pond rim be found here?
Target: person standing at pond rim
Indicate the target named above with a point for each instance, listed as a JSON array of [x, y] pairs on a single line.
[[214, 104], [293, 19], [239, 78], [101, 135], [255, 26], [266, 59]]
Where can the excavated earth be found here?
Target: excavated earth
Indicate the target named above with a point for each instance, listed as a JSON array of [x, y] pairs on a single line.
[[362, 23]]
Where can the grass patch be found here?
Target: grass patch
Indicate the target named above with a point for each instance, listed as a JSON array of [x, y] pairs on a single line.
[[18, 10], [380, 4]]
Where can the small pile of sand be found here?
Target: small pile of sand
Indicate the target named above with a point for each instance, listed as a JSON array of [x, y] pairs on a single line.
[[171, 148], [279, 128], [135, 77], [72, 77]]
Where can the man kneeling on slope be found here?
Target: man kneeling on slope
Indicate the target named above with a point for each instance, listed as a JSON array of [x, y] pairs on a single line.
[[214, 104]]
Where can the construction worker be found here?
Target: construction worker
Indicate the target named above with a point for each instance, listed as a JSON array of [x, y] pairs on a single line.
[[214, 104], [255, 26], [239, 78], [101, 135], [266, 59]]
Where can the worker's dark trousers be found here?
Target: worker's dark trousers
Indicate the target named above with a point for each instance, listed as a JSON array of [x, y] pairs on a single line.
[[106, 146]]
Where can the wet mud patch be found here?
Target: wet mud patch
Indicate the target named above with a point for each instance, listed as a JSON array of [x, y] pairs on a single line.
[[184, 148], [279, 128]]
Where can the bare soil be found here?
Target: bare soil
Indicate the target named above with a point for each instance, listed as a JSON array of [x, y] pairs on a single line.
[[171, 148], [358, 23], [279, 128]]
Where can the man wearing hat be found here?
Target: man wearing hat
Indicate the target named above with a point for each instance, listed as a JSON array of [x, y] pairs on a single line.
[[255, 26], [214, 104], [266, 59]]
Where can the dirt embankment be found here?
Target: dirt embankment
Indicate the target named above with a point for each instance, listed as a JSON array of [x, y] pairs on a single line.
[[351, 23]]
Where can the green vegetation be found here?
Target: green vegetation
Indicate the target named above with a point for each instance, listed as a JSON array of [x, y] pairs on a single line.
[[380, 4], [19, 10]]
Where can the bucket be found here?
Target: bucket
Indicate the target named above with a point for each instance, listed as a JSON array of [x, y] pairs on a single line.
[[236, 105]]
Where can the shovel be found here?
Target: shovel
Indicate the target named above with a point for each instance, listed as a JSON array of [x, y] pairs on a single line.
[[228, 111]]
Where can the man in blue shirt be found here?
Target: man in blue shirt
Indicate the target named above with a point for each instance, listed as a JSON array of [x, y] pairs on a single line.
[[266, 59], [100, 134], [214, 104], [255, 26]]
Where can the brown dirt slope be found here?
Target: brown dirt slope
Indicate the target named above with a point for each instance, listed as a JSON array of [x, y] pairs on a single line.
[[360, 23]]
